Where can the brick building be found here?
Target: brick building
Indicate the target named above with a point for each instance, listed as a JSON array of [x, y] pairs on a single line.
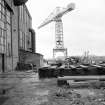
[[17, 38]]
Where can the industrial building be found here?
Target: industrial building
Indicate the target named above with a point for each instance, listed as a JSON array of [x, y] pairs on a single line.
[[17, 38]]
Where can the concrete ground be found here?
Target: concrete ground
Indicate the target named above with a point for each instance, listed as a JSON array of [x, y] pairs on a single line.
[[24, 88]]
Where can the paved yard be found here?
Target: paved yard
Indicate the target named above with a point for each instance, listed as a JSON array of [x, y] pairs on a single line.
[[24, 88]]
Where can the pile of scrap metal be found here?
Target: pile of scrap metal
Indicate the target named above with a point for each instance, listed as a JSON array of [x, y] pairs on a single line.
[[80, 70], [48, 72], [72, 67]]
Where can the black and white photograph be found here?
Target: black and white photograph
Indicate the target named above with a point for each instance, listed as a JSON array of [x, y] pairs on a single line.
[[52, 52]]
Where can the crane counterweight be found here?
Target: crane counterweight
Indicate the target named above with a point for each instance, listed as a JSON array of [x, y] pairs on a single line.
[[71, 6]]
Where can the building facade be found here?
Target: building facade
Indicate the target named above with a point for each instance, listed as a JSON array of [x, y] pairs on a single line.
[[17, 38], [27, 49], [26, 33]]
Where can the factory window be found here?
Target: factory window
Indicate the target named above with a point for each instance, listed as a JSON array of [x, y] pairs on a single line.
[[25, 16], [2, 27], [28, 42], [8, 28], [22, 40], [21, 13], [27, 19]]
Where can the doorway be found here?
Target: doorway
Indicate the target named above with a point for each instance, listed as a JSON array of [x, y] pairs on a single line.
[[2, 68]]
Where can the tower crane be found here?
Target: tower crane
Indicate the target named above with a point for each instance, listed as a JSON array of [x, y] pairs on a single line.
[[56, 16]]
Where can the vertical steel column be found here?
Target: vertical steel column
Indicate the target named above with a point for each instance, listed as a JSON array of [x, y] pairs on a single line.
[[59, 33], [59, 43]]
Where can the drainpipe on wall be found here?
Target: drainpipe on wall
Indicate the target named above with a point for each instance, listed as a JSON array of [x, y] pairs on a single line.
[[33, 40]]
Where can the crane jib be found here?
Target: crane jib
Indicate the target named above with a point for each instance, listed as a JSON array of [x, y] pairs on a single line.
[[56, 16]]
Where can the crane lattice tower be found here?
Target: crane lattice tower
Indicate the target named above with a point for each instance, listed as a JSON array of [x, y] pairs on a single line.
[[56, 16]]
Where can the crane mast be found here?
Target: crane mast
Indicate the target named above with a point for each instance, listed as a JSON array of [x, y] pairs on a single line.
[[56, 16], [59, 43], [59, 34]]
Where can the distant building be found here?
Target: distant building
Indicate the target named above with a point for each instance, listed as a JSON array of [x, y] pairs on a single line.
[[17, 38], [51, 61]]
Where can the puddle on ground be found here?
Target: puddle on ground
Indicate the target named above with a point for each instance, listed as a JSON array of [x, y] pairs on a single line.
[[41, 101], [3, 91], [42, 92], [85, 92], [3, 99]]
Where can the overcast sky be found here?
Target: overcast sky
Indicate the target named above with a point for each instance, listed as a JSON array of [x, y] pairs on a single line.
[[84, 27]]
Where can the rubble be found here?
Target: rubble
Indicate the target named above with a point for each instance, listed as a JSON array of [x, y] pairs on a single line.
[[67, 96]]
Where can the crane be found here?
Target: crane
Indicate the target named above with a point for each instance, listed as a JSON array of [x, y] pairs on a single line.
[[56, 16]]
